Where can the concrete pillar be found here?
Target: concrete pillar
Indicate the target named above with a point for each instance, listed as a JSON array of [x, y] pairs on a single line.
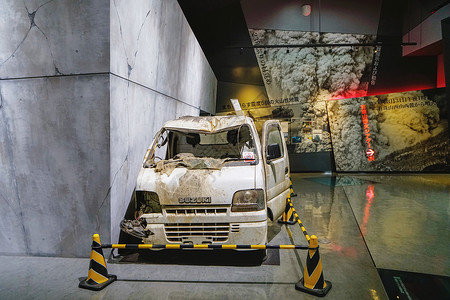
[[54, 126]]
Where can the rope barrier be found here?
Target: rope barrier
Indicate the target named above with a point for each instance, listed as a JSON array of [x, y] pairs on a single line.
[[313, 281], [290, 207], [206, 246], [298, 220]]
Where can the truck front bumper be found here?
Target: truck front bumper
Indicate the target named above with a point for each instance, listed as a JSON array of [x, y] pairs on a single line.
[[245, 233]]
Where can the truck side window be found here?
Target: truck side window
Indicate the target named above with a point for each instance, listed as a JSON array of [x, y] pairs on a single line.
[[274, 137], [161, 147]]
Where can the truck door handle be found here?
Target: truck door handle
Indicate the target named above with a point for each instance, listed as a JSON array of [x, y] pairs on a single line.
[[286, 170]]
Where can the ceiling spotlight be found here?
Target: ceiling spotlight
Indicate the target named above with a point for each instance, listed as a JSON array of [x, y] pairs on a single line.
[[306, 10]]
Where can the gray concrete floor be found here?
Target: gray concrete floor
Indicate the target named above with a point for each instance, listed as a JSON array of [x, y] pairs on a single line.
[[363, 222]]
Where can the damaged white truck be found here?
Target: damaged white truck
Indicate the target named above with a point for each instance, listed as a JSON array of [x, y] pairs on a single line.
[[210, 180]]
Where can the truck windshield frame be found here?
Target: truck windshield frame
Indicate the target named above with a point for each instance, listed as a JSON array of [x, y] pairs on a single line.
[[234, 145]]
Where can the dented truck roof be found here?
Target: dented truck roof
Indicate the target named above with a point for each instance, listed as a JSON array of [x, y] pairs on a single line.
[[208, 123]]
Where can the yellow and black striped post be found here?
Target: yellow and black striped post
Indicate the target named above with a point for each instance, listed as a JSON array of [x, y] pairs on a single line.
[[288, 214], [313, 281], [98, 276]]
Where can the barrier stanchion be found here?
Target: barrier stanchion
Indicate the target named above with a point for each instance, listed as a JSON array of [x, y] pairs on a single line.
[[313, 281], [98, 276], [288, 217], [292, 190]]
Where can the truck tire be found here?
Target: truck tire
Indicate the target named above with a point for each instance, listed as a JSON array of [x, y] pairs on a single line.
[[125, 238], [260, 256]]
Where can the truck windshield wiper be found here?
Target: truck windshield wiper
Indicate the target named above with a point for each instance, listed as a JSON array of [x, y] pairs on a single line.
[[166, 162], [238, 159]]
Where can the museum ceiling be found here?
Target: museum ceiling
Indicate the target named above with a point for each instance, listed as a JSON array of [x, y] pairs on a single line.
[[222, 26]]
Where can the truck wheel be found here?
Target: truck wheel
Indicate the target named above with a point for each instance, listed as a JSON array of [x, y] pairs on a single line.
[[260, 256], [125, 238]]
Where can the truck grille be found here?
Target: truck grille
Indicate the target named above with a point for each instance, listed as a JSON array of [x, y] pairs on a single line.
[[208, 232], [195, 211]]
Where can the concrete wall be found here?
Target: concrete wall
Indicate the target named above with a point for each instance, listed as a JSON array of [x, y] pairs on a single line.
[[158, 73], [47, 38], [84, 85], [54, 126]]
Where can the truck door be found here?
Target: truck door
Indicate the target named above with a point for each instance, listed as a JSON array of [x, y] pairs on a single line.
[[276, 165]]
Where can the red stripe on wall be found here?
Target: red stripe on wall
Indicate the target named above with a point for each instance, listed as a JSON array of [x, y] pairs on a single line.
[[440, 82]]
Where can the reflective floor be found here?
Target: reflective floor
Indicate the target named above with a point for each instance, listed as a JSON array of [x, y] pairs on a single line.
[[366, 224], [403, 220]]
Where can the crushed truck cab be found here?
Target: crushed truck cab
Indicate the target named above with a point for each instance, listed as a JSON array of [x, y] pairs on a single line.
[[210, 180]]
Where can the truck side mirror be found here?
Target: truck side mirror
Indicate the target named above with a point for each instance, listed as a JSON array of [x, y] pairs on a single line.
[[273, 151]]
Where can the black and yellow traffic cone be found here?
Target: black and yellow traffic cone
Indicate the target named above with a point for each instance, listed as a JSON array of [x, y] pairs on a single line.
[[288, 215], [313, 281], [292, 190], [98, 276]]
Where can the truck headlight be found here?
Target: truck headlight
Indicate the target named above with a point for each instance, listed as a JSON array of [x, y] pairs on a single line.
[[147, 202], [248, 200]]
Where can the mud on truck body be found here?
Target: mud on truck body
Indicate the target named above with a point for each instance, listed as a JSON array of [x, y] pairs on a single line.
[[210, 180]]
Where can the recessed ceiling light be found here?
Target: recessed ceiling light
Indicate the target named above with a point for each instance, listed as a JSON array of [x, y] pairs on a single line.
[[306, 10]]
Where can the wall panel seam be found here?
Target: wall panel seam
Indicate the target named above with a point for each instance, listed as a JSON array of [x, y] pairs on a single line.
[[153, 90]]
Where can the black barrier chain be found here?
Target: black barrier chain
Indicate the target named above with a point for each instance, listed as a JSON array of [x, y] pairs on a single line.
[[202, 246]]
